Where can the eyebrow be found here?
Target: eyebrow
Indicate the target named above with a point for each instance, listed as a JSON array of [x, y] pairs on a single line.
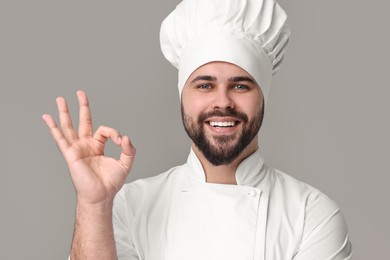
[[241, 78], [204, 77], [232, 79]]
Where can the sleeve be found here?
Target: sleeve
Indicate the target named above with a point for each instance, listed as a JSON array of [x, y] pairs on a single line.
[[122, 229], [325, 234]]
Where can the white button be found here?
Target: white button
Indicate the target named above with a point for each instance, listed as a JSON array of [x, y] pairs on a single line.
[[252, 193]]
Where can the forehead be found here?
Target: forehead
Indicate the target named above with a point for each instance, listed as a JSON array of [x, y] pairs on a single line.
[[220, 70]]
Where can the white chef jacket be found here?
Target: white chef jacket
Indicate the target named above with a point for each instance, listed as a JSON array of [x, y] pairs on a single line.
[[269, 215]]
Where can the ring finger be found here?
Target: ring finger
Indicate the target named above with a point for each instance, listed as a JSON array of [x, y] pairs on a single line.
[[65, 120]]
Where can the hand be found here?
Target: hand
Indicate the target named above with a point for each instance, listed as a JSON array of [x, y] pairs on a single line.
[[97, 178]]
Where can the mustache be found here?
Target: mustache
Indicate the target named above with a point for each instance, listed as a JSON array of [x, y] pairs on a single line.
[[223, 113]]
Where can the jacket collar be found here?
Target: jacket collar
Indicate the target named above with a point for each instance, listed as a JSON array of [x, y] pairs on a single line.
[[249, 172]]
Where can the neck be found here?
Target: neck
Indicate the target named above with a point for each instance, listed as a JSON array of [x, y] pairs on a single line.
[[224, 174]]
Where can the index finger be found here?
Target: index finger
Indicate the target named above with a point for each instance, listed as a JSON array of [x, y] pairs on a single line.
[[85, 118]]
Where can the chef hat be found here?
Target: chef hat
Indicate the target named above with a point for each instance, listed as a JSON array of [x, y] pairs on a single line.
[[251, 34]]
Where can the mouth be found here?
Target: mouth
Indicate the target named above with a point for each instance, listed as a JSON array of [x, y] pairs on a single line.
[[223, 124]]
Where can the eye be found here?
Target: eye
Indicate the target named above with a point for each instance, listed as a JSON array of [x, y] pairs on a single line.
[[240, 87], [204, 86]]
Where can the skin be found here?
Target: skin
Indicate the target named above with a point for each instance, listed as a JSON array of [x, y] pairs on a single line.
[[211, 87], [97, 178]]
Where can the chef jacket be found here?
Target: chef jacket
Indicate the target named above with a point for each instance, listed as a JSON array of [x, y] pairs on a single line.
[[268, 215]]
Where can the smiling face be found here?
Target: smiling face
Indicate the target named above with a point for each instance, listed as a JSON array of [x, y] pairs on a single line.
[[222, 110]]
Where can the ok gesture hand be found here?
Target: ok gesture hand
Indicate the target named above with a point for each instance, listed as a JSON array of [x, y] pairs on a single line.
[[96, 177]]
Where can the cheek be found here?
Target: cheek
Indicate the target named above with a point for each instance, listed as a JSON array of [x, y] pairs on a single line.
[[251, 106], [193, 105], [257, 102]]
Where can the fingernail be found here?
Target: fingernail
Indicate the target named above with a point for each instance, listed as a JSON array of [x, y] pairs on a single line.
[[119, 139]]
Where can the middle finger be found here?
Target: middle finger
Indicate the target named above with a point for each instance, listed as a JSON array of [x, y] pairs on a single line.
[[85, 119], [65, 120]]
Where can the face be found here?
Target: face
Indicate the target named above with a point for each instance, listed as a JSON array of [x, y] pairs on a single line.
[[222, 111]]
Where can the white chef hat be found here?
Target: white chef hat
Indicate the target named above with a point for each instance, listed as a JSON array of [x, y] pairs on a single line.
[[251, 34]]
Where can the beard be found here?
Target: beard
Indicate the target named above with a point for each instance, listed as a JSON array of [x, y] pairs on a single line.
[[222, 149]]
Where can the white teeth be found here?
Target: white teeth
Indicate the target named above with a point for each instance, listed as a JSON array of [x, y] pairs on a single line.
[[222, 124]]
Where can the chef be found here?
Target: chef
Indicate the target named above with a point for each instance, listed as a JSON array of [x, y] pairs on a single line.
[[224, 203]]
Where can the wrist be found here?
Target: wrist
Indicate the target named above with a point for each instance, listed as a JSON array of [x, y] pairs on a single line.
[[94, 209]]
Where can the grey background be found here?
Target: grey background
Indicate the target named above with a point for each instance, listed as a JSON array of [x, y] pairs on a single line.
[[327, 122]]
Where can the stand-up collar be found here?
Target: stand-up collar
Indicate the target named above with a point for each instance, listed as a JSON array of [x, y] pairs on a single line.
[[248, 173]]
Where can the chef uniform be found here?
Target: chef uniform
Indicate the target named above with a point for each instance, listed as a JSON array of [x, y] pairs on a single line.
[[268, 215]]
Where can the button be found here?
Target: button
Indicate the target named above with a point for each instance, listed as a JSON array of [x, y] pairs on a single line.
[[252, 193]]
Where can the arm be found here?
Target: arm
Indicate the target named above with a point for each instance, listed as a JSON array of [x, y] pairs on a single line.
[[96, 178], [93, 236], [325, 232]]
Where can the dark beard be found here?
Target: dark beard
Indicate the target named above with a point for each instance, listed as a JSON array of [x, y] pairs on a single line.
[[221, 153]]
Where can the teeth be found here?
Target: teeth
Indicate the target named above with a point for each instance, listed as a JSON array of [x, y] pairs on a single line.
[[222, 124]]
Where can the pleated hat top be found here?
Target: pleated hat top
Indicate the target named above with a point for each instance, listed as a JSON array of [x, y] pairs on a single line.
[[252, 34]]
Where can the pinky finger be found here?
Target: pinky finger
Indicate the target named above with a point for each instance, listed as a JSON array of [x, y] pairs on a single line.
[[128, 153], [59, 138]]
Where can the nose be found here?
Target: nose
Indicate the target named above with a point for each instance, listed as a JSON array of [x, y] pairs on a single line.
[[223, 99]]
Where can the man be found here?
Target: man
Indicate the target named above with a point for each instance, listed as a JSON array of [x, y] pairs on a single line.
[[224, 203]]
